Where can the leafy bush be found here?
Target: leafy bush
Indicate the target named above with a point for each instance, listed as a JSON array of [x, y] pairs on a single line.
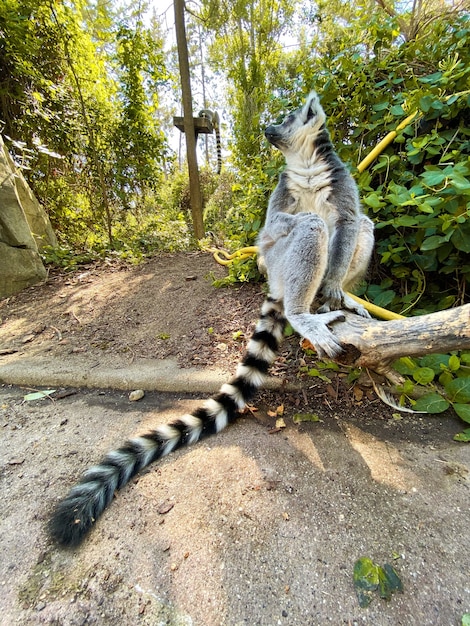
[[418, 189], [442, 380]]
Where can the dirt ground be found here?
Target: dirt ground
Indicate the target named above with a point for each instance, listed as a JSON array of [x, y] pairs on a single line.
[[260, 525], [165, 307]]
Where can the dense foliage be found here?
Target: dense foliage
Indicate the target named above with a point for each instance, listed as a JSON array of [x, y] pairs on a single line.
[[79, 87]]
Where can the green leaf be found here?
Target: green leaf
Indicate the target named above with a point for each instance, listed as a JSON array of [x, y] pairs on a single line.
[[463, 411], [461, 182], [433, 177], [305, 417], [463, 436], [466, 619], [454, 363], [389, 581], [366, 575], [431, 403], [445, 378], [393, 579], [406, 220], [407, 387], [366, 580], [405, 365], [38, 395], [380, 107], [435, 361], [384, 298], [316, 373], [373, 201], [431, 78], [425, 207], [437, 105], [423, 375], [369, 577], [425, 103], [433, 242], [458, 390], [289, 331], [397, 110], [461, 240]]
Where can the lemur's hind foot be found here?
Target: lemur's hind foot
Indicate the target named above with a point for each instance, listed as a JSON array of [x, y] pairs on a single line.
[[337, 299]]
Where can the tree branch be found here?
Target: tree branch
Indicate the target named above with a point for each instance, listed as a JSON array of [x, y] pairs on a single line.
[[376, 344]]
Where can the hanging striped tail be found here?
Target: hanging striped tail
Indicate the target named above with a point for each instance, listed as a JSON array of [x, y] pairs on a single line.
[[77, 512], [218, 144]]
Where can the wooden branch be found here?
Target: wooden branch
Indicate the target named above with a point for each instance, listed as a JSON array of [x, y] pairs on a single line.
[[375, 344]]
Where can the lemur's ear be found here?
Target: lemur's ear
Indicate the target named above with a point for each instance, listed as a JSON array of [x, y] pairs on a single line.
[[312, 100]]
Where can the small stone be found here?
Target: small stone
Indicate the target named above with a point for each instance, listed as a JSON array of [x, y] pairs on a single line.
[[18, 461], [165, 507], [138, 394]]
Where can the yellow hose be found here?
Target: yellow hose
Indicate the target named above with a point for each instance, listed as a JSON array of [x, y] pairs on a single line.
[[376, 311], [243, 253], [380, 147]]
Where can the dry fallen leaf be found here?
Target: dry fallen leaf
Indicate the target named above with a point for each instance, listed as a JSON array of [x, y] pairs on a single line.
[[358, 393], [305, 344]]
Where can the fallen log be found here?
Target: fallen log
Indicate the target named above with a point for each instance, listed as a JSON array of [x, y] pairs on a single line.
[[376, 344]]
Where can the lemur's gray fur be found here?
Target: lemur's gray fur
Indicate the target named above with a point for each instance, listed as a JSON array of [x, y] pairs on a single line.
[[315, 238], [214, 119]]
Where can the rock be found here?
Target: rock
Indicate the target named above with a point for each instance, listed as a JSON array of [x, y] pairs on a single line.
[[20, 217], [138, 394]]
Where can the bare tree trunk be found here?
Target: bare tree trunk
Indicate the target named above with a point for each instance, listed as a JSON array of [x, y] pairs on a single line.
[[375, 344], [189, 130]]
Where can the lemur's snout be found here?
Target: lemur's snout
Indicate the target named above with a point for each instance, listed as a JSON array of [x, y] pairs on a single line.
[[271, 133]]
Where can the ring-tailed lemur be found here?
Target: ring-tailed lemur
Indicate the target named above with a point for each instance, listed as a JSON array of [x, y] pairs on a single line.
[[315, 239], [315, 235], [214, 119]]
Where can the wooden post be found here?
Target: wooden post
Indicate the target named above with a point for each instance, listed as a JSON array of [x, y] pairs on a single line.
[[189, 130]]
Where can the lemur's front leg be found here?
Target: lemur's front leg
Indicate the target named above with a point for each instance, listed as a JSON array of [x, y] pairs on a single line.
[[296, 264], [341, 250]]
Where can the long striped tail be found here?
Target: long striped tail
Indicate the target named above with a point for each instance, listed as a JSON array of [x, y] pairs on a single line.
[[77, 512], [218, 144]]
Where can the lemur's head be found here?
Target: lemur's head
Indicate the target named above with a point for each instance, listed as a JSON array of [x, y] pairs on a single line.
[[301, 125]]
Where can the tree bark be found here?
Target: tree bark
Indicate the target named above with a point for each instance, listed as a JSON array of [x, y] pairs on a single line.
[[189, 130], [375, 344]]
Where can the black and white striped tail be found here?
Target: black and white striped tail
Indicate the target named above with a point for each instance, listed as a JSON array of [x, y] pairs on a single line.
[[218, 144], [77, 512]]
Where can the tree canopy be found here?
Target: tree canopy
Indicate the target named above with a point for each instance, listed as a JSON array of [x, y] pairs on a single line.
[[88, 89]]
